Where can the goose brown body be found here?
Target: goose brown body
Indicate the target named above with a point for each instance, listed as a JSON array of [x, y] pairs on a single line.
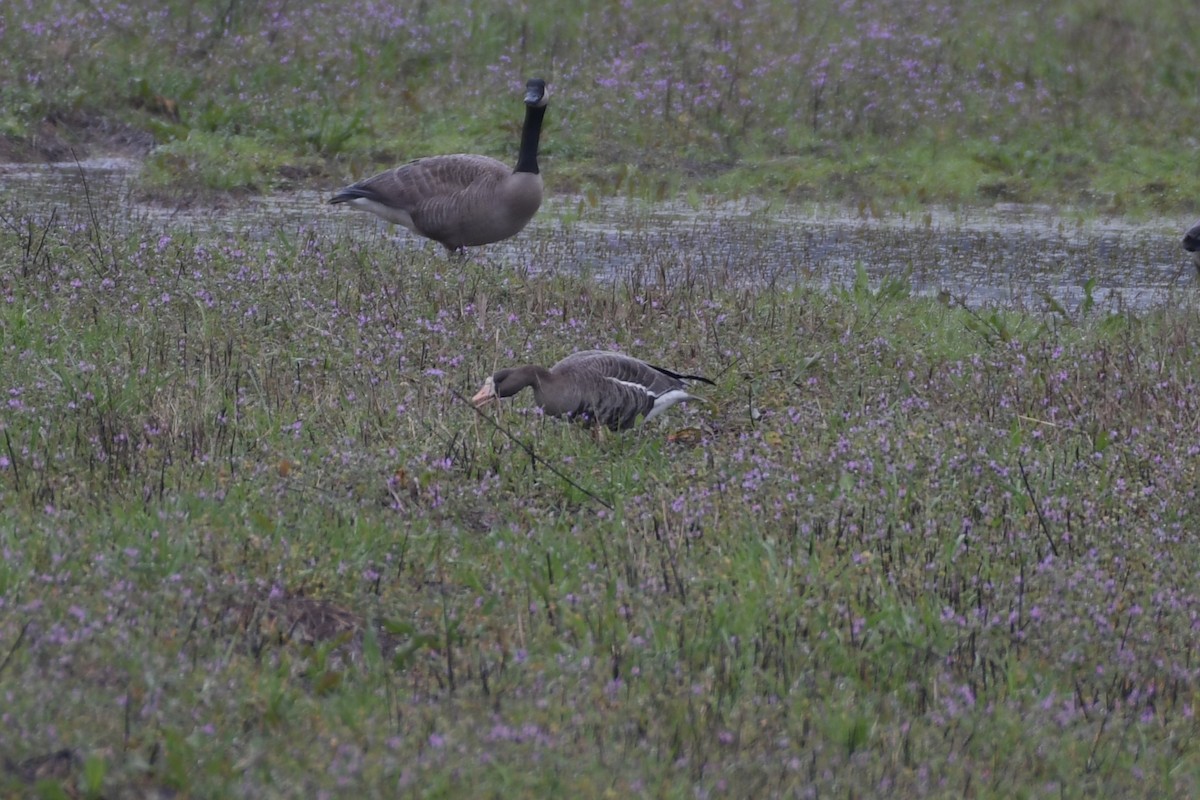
[[460, 200], [595, 386], [1191, 243]]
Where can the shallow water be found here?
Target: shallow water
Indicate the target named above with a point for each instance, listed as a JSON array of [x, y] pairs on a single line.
[[1002, 255]]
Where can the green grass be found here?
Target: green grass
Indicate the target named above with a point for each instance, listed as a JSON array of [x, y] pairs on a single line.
[[255, 544], [216, 162], [1068, 103]]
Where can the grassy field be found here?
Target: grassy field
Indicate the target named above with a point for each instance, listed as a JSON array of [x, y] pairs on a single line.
[[255, 543], [879, 102]]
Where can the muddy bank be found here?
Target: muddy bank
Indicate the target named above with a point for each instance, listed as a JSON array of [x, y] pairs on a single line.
[[1005, 254]]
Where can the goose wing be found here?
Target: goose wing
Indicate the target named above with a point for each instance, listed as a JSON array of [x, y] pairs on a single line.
[[626, 368], [615, 389], [409, 185], [435, 193]]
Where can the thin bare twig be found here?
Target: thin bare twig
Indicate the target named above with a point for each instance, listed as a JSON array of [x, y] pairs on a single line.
[[529, 450], [1037, 508], [12, 459], [94, 237], [16, 644]]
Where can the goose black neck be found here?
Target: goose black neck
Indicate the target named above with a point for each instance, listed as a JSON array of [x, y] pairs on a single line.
[[530, 133]]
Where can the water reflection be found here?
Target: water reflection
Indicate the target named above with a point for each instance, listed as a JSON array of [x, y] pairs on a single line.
[[1003, 255]]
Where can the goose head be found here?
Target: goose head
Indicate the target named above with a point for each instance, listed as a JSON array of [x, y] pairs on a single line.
[[536, 94], [505, 383]]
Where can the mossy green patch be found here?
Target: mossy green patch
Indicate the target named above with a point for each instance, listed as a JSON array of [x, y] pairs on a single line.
[[216, 161]]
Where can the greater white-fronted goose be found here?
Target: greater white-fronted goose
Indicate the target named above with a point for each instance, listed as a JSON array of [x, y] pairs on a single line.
[[595, 386], [1191, 243], [461, 200]]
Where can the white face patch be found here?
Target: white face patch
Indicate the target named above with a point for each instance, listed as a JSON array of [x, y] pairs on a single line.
[[486, 393], [532, 98]]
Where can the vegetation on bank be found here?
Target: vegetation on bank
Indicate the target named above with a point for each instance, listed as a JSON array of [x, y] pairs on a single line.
[[1091, 104]]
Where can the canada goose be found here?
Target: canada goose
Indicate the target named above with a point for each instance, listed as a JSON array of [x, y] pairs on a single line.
[[594, 386], [461, 200], [1191, 243]]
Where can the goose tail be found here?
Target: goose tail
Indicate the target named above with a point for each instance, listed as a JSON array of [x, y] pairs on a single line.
[[350, 193], [683, 377]]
